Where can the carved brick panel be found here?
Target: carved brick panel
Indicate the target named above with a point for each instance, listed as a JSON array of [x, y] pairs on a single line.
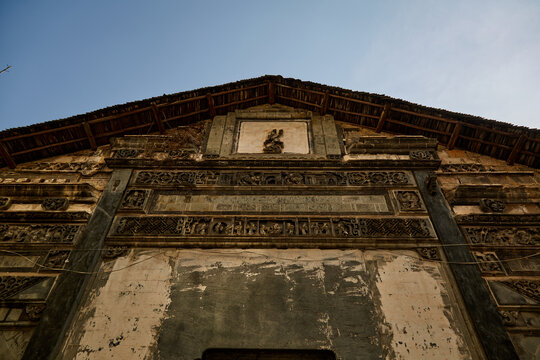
[[55, 204], [505, 236], [38, 233], [408, 200], [488, 262], [56, 259], [530, 288], [491, 205], [283, 178], [134, 199], [430, 253], [261, 227], [12, 285]]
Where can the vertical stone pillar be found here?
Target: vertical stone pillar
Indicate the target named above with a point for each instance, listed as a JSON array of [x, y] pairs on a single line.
[[69, 287], [481, 309]]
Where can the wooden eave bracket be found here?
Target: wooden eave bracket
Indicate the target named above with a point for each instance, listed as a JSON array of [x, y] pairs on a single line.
[[324, 104], [454, 136], [6, 156], [383, 117], [157, 119], [211, 108], [89, 135], [516, 150], [271, 93]]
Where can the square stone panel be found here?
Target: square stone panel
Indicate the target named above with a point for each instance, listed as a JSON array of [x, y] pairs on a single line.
[[254, 133]]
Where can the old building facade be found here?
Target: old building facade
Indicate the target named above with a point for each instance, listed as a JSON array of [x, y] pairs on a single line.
[[271, 218]]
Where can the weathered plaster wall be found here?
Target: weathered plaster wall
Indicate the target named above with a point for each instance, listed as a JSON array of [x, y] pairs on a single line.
[[174, 304]]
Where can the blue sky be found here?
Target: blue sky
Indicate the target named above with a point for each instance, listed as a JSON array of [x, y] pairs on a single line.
[[72, 57]]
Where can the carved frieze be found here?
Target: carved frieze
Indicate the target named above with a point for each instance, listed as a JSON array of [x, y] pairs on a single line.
[[56, 258], [530, 288], [85, 168], [246, 226], [505, 236], [488, 262], [421, 155], [408, 200], [134, 199], [38, 233], [492, 205], [496, 219], [430, 253], [34, 311], [12, 285], [55, 204], [5, 203], [469, 167], [275, 178]]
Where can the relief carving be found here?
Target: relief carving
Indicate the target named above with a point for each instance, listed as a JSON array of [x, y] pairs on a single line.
[[283, 178], [38, 233], [491, 205], [34, 311], [113, 252], [134, 199], [126, 153], [335, 227], [510, 318], [421, 155], [56, 258], [85, 168], [488, 262], [55, 204], [408, 200], [530, 288], [12, 285], [430, 253], [273, 143], [506, 236], [5, 203], [474, 168]]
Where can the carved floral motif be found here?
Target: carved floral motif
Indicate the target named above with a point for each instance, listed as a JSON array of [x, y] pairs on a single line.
[[510, 318], [470, 167], [430, 253], [85, 168], [334, 227], [421, 155], [113, 252], [55, 204], [126, 153], [38, 233]]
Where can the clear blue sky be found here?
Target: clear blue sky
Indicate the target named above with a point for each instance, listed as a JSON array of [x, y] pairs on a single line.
[[71, 57]]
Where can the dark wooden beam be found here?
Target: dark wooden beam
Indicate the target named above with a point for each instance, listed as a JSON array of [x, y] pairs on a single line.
[[5, 155], [516, 150], [90, 136], [324, 104], [271, 93], [211, 109], [383, 117], [157, 119], [454, 137]]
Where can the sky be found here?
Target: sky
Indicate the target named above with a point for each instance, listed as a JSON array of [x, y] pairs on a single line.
[[71, 57]]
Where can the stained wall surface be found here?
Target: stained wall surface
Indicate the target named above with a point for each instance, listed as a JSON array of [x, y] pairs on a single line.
[[174, 304]]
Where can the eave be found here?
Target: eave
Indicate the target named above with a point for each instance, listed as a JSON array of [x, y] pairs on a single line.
[[377, 112]]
